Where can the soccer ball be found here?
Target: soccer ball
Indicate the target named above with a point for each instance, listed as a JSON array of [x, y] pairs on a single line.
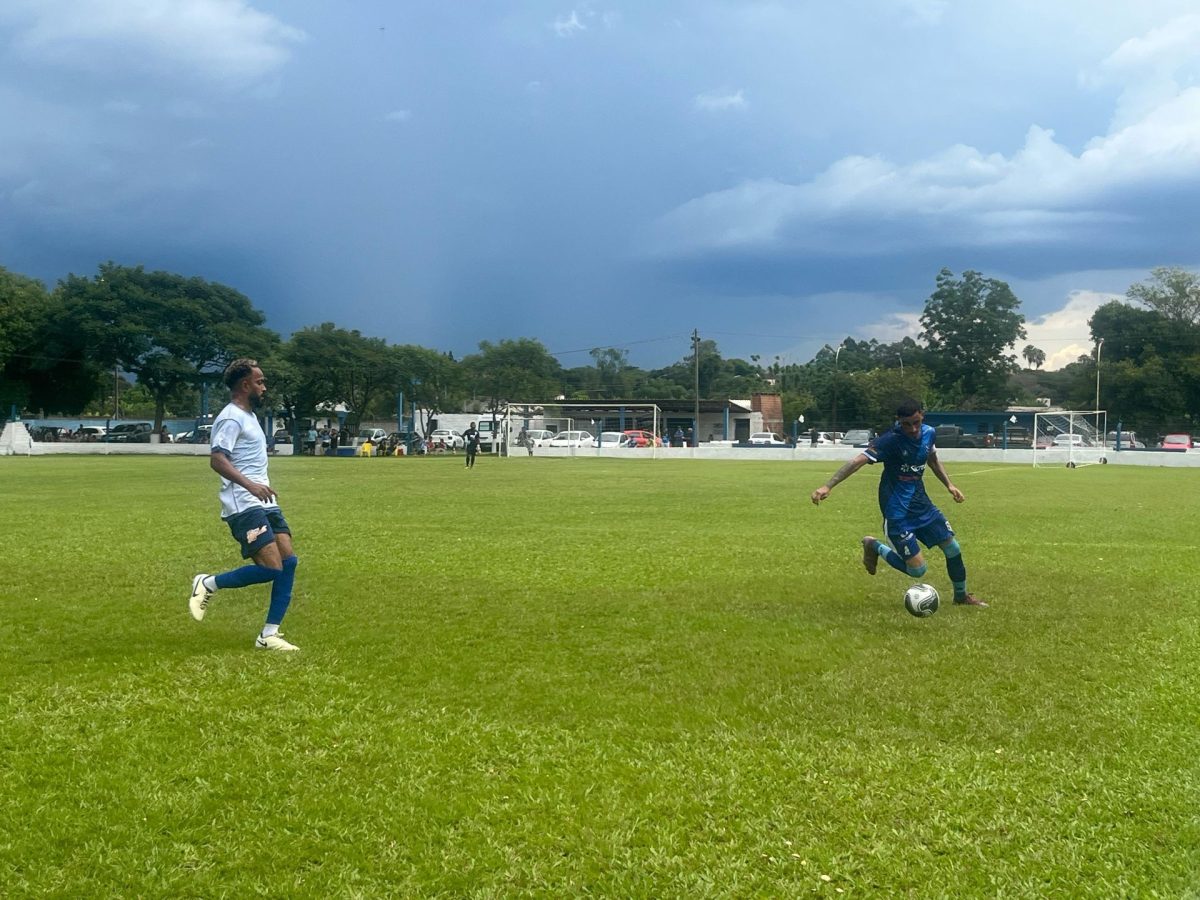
[[921, 600]]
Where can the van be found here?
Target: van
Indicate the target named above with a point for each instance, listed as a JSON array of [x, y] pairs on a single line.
[[486, 438]]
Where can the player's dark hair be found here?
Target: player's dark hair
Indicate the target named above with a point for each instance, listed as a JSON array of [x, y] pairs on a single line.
[[909, 407], [237, 370]]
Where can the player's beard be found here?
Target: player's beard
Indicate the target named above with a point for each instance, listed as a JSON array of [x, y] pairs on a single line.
[[257, 400]]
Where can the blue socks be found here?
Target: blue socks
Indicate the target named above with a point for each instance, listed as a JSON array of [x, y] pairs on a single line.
[[891, 557], [281, 584], [281, 591], [245, 576], [956, 569]]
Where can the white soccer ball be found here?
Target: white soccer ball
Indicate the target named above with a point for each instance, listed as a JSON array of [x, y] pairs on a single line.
[[921, 600]]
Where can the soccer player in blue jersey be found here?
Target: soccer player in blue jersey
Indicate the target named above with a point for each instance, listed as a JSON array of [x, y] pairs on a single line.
[[249, 506], [909, 515]]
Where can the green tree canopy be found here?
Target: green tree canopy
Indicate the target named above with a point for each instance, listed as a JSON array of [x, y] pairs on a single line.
[[970, 326], [512, 371], [1173, 293], [168, 330]]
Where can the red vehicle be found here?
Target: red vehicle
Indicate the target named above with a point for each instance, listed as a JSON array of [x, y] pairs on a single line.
[[643, 439], [1177, 442]]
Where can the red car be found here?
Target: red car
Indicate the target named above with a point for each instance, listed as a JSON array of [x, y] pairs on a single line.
[[1176, 442], [643, 439]]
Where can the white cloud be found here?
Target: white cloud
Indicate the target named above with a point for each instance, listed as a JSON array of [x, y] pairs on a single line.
[[1063, 335], [894, 327], [223, 41], [398, 115], [568, 26], [719, 101], [1167, 46], [1043, 192], [929, 12]]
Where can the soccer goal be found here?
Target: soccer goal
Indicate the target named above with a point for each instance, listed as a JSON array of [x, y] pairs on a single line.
[[1070, 438], [572, 416]]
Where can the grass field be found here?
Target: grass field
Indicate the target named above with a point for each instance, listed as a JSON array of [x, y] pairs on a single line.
[[559, 677]]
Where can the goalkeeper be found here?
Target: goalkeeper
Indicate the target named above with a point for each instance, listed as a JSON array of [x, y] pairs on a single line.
[[909, 515]]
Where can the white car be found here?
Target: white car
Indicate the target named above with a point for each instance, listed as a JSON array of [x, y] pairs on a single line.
[[766, 439], [1064, 441], [613, 440], [538, 437], [571, 439], [448, 436]]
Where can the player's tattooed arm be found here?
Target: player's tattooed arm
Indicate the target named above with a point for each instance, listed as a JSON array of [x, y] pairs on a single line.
[[839, 476]]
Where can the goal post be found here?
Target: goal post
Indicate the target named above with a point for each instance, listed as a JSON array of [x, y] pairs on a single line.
[[1070, 438], [592, 417]]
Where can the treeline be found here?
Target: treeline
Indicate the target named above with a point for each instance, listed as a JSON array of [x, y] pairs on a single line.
[[135, 343]]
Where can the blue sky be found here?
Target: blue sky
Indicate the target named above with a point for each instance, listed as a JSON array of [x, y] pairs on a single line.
[[775, 175]]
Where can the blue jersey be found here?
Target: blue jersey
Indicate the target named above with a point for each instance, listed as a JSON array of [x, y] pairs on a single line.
[[902, 497]]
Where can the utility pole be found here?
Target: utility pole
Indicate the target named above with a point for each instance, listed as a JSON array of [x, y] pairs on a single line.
[[696, 362]]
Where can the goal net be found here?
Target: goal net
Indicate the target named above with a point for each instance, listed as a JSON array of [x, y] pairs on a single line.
[[579, 416], [1070, 438]]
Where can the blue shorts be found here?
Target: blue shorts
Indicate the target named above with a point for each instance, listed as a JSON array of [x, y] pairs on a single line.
[[256, 528], [904, 540]]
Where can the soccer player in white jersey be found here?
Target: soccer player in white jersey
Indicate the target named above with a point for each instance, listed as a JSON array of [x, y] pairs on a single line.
[[249, 506]]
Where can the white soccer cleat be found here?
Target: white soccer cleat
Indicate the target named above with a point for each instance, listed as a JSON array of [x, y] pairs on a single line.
[[274, 642], [198, 602]]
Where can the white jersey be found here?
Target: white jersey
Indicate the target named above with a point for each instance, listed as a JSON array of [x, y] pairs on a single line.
[[237, 434]]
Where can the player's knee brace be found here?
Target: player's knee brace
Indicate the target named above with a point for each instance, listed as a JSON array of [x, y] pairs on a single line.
[[951, 548], [916, 571]]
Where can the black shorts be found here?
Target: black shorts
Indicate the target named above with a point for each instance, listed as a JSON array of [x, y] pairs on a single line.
[[255, 528]]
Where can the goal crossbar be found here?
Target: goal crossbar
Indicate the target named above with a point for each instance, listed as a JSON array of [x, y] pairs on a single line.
[[1070, 437]]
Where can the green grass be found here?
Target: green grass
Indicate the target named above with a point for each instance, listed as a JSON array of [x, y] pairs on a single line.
[[559, 677]]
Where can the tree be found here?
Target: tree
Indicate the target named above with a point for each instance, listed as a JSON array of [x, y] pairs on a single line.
[[1171, 292], [169, 331], [431, 380], [970, 325], [328, 366], [1033, 356], [512, 370], [43, 362]]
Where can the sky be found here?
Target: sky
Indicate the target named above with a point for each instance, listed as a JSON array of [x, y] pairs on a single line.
[[775, 176]]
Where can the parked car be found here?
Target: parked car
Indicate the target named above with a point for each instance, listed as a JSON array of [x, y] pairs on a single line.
[[951, 436], [1018, 437], [766, 439], [448, 436], [409, 440], [1176, 442], [282, 436], [1129, 441], [858, 437], [375, 435], [129, 433], [201, 435], [1072, 441], [571, 439], [643, 438], [824, 439], [613, 440], [90, 432], [538, 436], [47, 433]]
